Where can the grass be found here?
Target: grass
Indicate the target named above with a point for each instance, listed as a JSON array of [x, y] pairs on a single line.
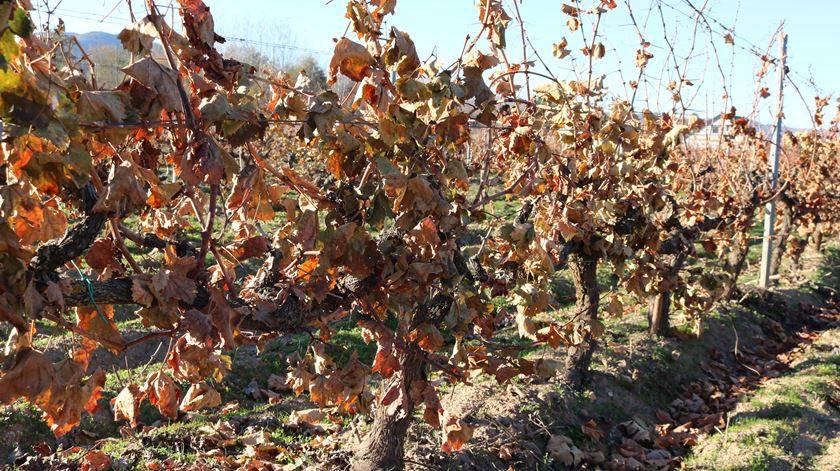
[[21, 425], [529, 408], [784, 421], [828, 272], [609, 410], [348, 340]]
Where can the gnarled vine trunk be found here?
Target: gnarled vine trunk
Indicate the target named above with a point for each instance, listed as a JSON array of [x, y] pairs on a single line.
[[780, 244], [816, 239], [583, 268], [383, 448], [660, 303], [735, 265], [796, 253]]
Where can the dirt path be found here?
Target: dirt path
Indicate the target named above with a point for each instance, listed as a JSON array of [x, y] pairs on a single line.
[[653, 402], [790, 423]]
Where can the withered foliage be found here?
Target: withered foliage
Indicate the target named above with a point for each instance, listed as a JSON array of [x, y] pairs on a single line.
[[368, 228]]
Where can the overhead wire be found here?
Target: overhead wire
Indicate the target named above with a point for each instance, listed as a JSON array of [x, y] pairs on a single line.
[[713, 26], [737, 39]]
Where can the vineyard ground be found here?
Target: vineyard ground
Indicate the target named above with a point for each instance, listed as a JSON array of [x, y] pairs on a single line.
[[785, 410], [791, 422]]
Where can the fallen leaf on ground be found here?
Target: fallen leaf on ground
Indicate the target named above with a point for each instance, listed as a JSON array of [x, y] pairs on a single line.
[[200, 396], [590, 429], [306, 416]]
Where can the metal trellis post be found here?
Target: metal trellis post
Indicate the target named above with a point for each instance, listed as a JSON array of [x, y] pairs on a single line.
[[775, 147]]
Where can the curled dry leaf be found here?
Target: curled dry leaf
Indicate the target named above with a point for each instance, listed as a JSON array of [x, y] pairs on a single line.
[[643, 56], [590, 429], [163, 393], [400, 53], [197, 324], [199, 23], [191, 361], [526, 326], [95, 460], [99, 321], [428, 337], [139, 38], [305, 417], [127, 404], [58, 389], [598, 51], [232, 406], [102, 255], [505, 452], [546, 368], [561, 449], [385, 362], [30, 376], [729, 39], [108, 106], [222, 317], [157, 78], [560, 50], [200, 396], [455, 433], [277, 383], [123, 191]]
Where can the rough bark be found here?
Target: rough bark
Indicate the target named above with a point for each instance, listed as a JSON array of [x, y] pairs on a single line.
[[583, 268], [75, 242], [289, 315], [152, 241], [116, 291], [816, 238], [659, 306], [735, 265], [383, 448], [780, 244], [796, 253], [660, 303]]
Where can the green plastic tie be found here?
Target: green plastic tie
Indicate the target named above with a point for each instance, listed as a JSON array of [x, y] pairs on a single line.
[[89, 284]]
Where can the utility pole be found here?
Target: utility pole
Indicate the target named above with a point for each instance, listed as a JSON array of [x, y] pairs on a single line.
[[775, 147]]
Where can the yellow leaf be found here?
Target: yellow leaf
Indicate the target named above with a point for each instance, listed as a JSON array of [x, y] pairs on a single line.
[[200, 396]]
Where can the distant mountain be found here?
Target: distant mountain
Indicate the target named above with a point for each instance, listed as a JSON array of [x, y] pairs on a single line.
[[96, 39]]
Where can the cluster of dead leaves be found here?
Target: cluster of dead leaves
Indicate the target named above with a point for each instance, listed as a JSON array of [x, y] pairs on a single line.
[[162, 392], [61, 390], [388, 150], [329, 385], [160, 294]]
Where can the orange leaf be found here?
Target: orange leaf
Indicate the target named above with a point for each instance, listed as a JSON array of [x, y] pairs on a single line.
[[351, 59], [99, 323], [590, 429], [455, 433], [163, 394], [96, 460], [200, 396], [428, 337]]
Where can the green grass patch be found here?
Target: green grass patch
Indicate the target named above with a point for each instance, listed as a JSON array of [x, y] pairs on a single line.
[[786, 424]]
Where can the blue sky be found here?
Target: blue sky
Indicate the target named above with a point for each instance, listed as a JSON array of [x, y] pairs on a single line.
[[440, 27]]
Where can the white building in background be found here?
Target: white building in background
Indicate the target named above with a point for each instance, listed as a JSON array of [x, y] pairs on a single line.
[[717, 130]]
